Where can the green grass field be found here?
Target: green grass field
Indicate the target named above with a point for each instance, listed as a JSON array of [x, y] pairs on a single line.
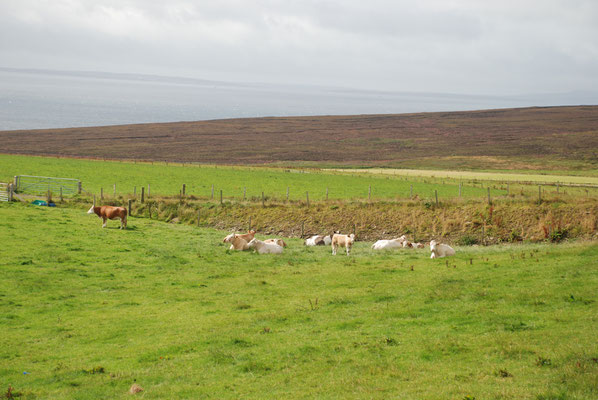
[[86, 312], [168, 180]]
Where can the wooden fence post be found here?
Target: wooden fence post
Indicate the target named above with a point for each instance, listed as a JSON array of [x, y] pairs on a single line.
[[263, 200], [79, 187], [184, 188], [212, 192], [436, 195], [142, 194], [130, 207], [198, 215], [557, 187], [61, 194], [302, 228], [307, 198], [220, 196], [370, 192]]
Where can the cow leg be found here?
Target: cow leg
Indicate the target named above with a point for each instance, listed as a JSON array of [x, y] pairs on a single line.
[[348, 250], [104, 224], [333, 250]]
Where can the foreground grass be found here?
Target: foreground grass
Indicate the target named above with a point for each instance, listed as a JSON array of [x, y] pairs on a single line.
[[86, 312]]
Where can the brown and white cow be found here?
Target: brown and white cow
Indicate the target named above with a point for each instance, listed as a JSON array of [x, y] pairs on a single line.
[[342, 241], [110, 212], [245, 236], [277, 241]]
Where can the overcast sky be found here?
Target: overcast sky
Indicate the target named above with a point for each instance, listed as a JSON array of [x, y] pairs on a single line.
[[459, 46]]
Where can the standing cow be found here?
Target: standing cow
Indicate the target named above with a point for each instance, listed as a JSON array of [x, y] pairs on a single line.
[[110, 212]]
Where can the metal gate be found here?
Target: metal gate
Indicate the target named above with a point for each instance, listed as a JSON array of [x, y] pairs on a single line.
[[43, 184], [3, 192]]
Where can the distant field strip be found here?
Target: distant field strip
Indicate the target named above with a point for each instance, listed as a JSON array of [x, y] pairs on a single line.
[[489, 176], [233, 181]]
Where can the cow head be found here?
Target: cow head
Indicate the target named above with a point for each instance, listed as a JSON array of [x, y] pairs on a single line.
[[433, 245], [91, 211]]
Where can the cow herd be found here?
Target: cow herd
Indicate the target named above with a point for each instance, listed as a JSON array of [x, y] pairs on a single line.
[[247, 241]]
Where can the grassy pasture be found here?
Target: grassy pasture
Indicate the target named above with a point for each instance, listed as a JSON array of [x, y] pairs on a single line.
[[504, 176], [87, 312], [168, 180]]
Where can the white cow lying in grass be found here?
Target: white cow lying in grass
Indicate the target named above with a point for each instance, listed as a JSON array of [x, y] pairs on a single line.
[[237, 242], [342, 241], [318, 240], [279, 242], [440, 250], [265, 248], [388, 244]]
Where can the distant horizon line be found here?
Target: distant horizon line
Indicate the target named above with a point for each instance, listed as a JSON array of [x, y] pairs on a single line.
[[147, 77]]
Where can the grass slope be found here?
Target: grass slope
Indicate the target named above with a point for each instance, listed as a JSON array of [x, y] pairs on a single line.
[[168, 180], [86, 312], [524, 138]]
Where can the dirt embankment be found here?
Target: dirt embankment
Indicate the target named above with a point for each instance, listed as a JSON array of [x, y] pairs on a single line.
[[461, 223]]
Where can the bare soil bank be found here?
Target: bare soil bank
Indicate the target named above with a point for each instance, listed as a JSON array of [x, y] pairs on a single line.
[[455, 222]]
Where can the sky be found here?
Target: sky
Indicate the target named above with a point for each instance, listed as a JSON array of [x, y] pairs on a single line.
[[506, 47]]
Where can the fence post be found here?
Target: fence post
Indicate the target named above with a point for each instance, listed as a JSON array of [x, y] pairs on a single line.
[[220, 196], [489, 201], [16, 180], [130, 207], [184, 187], [142, 194], [61, 194], [10, 185], [263, 199], [307, 198], [287, 193], [198, 215], [302, 228], [79, 187], [436, 195], [212, 192], [484, 235], [370, 192], [557, 187]]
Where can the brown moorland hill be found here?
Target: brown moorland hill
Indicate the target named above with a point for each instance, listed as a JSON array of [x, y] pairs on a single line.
[[502, 138]]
